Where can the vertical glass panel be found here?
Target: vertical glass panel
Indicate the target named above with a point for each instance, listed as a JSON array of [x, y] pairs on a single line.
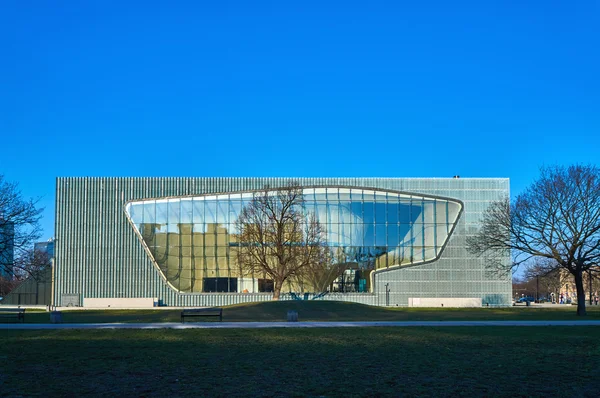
[[418, 254], [322, 212], [210, 212], [162, 211], [380, 212], [174, 210], [345, 212], [198, 211], [346, 234], [235, 208], [358, 234], [392, 235], [404, 212], [417, 234], [310, 207], [335, 212], [185, 231], [429, 239], [186, 211], [428, 212], [149, 212], [368, 213], [357, 210], [381, 235], [369, 234], [416, 211], [440, 211], [223, 210], [136, 212], [392, 212], [198, 216]]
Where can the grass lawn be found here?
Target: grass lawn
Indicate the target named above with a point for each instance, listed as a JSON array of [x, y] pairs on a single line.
[[490, 361], [325, 311]]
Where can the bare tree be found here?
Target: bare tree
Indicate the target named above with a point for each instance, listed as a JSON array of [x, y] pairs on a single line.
[[32, 264], [19, 228], [7, 285], [546, 274], [321, 273], [557, 218], [277, 237]]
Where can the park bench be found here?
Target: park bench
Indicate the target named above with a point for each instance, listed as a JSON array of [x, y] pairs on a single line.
[[193, 312], [13, 313]]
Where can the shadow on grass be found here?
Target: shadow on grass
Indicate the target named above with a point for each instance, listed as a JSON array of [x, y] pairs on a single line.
[[308, 362]]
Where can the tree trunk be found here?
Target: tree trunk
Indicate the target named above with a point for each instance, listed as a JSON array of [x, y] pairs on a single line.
[[590, 285], [277, 289], [580, 293]]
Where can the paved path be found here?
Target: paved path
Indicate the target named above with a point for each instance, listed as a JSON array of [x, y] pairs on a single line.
[[263, 325]]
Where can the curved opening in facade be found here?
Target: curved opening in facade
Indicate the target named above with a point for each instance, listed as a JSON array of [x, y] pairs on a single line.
[[194, 241]]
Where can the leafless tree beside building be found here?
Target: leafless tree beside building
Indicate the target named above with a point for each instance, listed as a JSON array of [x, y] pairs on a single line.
[[546, 274], [556, 218], [19, 229]]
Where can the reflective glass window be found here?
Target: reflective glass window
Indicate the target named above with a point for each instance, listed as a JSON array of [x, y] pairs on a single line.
[[162, 211], [149, 212], [392, 212], [369, 235], [174, 207], [223, 212], [194, 241], [428, 212], [368, 213], [381, 235], [404, 212], [210, 212], [186, 211], [380, 212]]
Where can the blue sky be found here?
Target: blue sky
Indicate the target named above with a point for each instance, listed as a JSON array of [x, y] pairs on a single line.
[[398, 89]]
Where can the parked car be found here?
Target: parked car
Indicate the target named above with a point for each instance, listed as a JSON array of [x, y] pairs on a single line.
[[525, 299]]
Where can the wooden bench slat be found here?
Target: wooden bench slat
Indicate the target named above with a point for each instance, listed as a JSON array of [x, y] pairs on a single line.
[[17, 313], [191, 312]]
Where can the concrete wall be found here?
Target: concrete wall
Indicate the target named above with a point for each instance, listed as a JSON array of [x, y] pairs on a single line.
[[119, 302], [444, 302], [32, 291]]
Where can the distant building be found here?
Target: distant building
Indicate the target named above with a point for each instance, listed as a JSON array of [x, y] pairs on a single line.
[[45, 247], [568, 290], [7, 248]]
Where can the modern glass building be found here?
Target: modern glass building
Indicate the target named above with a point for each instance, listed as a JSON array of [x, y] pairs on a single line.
[[176, 240]]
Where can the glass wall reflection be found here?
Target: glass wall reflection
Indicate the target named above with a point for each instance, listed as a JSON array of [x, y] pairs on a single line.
[[194, 242]]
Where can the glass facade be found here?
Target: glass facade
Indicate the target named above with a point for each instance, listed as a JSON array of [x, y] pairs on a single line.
[[194, 242]]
